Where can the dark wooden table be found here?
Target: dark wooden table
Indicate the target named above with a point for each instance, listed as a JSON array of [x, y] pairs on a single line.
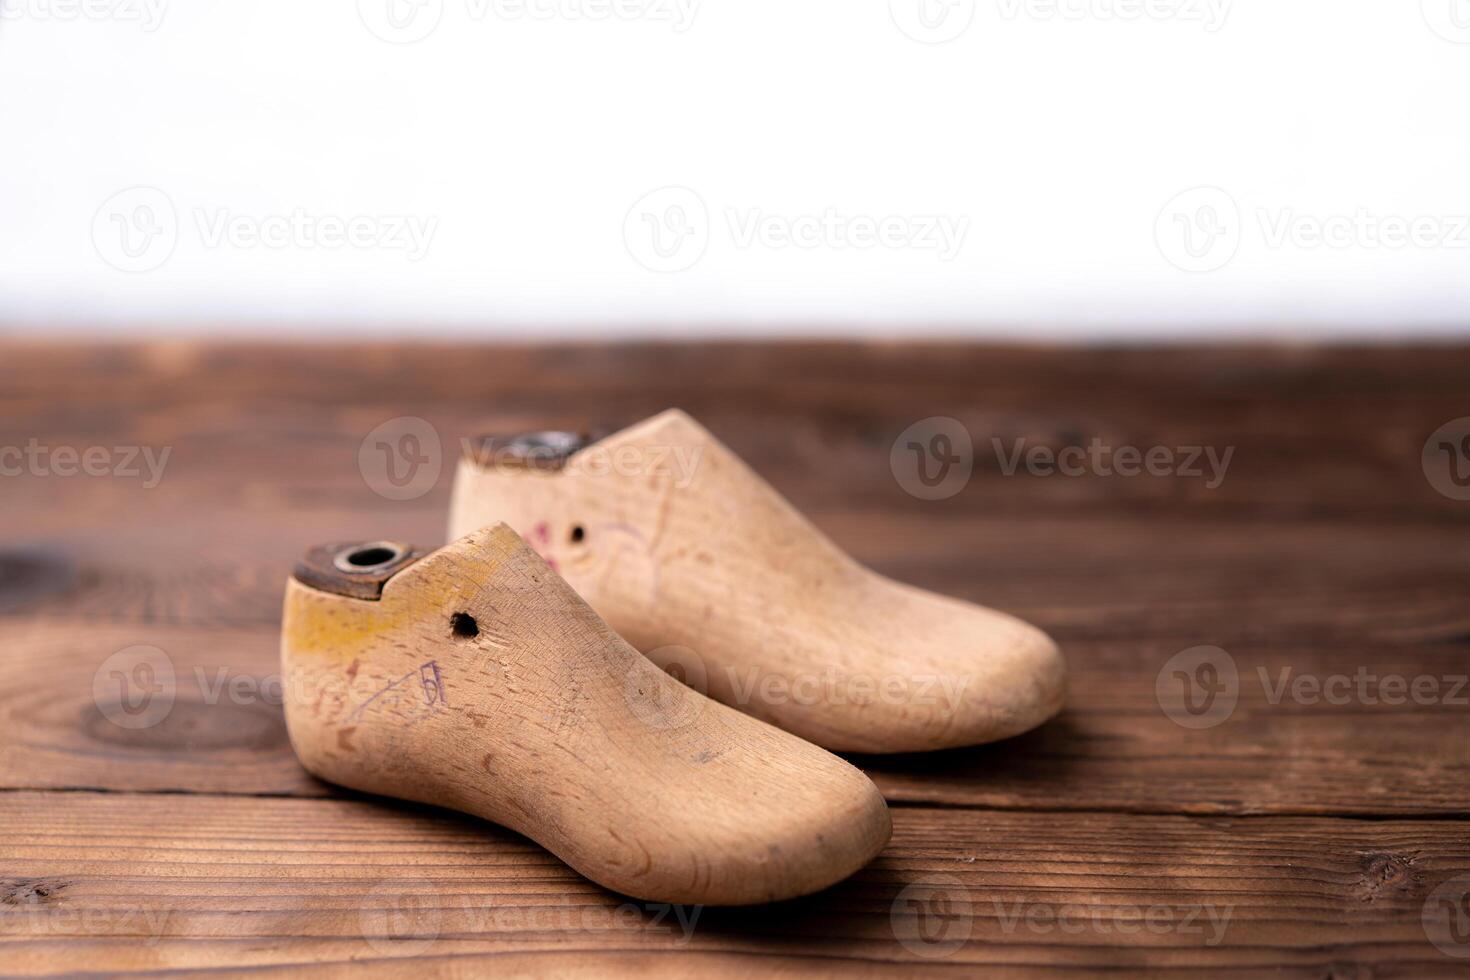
[[1298, 836]]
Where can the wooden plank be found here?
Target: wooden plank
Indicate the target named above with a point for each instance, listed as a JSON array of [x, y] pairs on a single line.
[[1082, 578], [124, 882], [1331, 730], [1282, 750], [1317, 432], [222, 729], [1324, 552]]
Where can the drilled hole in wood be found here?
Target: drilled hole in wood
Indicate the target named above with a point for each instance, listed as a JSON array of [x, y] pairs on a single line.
[[464, 626], [368, 557]]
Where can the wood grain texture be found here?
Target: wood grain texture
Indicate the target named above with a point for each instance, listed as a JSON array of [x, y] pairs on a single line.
[[1325, 550], [1276, 581], [145, 882], [694, 559], [482, 682], [1318, 432], [219, 726], [1113, 747]]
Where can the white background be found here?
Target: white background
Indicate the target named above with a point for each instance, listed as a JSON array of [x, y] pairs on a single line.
[[527, 132]]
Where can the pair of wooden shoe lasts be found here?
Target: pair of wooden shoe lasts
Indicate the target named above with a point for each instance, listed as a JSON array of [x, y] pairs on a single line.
[[505, 680]]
